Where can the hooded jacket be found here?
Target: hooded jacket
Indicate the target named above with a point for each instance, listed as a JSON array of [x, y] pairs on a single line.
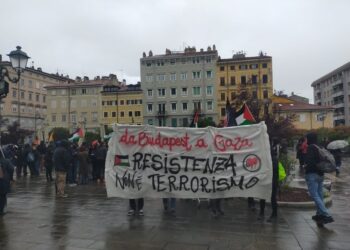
[[312, 156]]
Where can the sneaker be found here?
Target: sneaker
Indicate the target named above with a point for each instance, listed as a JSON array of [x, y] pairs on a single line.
[[272, 219], [327, 219], [316, 217], [72, 185], [131, 212], [141, 212], [214, 214]]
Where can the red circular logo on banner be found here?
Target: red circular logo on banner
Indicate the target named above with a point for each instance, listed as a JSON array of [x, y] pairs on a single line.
[[252, 163]]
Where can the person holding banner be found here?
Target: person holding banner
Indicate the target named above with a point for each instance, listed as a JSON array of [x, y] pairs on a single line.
[[132, 206], [215, 205]]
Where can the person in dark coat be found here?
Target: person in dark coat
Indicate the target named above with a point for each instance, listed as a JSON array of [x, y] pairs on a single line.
[[337, 157], [314, 180], [5, 170], [48, 162], [61, 161], [83, 159]]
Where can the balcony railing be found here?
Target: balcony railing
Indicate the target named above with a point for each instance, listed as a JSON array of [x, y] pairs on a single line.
[[162, 113]]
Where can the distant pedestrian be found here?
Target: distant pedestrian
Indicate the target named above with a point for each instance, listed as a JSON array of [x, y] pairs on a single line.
[[83, 159], [48, 162], [314, 179], [337, 156], [61, 161]]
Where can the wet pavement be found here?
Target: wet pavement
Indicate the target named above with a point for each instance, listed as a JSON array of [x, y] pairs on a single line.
[[36, 219]]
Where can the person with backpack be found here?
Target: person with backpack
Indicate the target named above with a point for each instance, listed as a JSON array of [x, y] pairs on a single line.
[[314, 180]]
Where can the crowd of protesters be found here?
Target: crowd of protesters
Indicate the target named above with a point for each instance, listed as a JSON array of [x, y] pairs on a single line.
[[67, 162]]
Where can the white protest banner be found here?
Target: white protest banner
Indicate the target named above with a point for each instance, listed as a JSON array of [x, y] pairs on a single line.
[[160, 162]]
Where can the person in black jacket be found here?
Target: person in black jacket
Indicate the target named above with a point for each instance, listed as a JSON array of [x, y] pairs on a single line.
[[314, 180], [5, 170], [337, 157], [61, 161]]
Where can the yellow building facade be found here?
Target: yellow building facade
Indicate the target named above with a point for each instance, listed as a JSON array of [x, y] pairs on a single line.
[[305, 116], [241, 74], [121, 104]]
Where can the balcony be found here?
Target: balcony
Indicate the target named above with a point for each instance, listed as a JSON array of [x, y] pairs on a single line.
[[162, 113], [338, 116], [338, 104]]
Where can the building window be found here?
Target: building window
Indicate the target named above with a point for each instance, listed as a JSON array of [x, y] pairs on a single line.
[[222, 68], [254, 79], [233, 80], [161, 77], [161, 92], [195, 60], [184, 106], [150, 121], [122, 114], [149, 78], [172, 61], [14, 93], [30, 84], [30, 96], [173, 107], [208, 60], [254, 66], [94, 116], [184, 91], [148, 64], [255, 95], [173, 122], [22, 94], [22, 82], [185, 122], [222, 81], [233, 96], [197, 105], [232, 67], [183, 76], [149, 108], [265, 79], [74, 92], [130, 113], [243, 67], [37, 97], [210, 105], [149, 92], [223, 111], [196, 74], [173, 77], [63, 92], [83, 91], [114, 114], [93, 102], [64, 118], [53, 118], [173, 91], [222, 97], [210, 90], [266, 94], [14, 108], [105, 114], [53, 104], [209, 74], [137, 113], [264, 65], [196, 90], [243, 80], [63, 104]]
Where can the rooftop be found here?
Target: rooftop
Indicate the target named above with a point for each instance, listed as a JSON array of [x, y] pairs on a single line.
[[301, 106]]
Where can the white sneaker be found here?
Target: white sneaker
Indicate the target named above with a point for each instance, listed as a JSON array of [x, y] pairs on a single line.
[[141, 212], [131, 212]]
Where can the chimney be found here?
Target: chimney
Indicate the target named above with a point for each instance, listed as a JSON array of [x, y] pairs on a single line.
[[214, 47], [39, 69], [78, 79], [150, 53], [124, 82], [144, 54], [86, 78]]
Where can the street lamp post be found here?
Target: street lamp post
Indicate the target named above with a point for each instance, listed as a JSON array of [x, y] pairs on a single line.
[[18, 60]]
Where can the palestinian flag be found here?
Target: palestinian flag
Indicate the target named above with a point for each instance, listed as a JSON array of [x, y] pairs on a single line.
[[78, 134], [244, 116], [121, 160]]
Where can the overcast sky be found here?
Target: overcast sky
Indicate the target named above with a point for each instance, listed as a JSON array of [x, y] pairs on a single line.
[[306, 38]]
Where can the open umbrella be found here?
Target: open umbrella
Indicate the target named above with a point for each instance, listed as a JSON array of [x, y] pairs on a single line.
[[338, 144]]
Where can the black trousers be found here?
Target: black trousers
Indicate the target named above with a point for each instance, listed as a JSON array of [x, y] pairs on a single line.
[[215, 205], [132, 204], [3, 202]]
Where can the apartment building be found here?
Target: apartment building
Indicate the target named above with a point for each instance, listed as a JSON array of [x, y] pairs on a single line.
[[333, 89], [121, 104], [177, 84], [26, 101], [241, 74], [77, 104]]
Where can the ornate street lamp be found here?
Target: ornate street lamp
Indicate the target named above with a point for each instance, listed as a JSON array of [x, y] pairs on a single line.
[[19, 61]]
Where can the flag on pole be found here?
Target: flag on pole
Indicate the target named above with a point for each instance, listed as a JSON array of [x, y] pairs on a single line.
[[244, 116], [195, 119], [77, 135]]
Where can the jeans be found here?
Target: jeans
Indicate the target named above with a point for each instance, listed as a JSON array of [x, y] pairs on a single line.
[[132, 204], [60, 182], [72, 173], [3, 202], [315, 186], [169, 201]]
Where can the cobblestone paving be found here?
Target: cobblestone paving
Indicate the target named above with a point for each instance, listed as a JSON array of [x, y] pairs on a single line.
[[88, 220]]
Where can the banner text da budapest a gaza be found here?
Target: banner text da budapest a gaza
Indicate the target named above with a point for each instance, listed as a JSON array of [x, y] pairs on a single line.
[[148, 161]]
